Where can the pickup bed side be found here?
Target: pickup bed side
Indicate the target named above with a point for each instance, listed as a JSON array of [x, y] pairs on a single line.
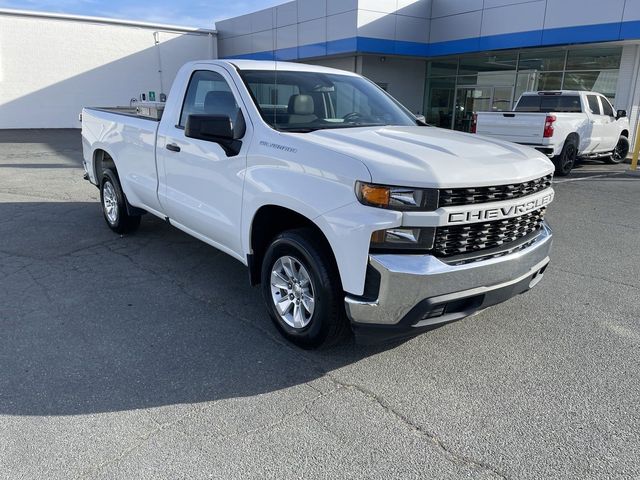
[[123, 137]]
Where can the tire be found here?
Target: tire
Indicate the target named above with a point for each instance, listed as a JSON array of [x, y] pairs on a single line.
[[298, 256], [620, 153], [114, 207], [567, 159]]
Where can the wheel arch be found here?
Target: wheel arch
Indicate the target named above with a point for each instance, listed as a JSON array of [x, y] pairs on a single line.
[[573, 137], [625, 133], [102, 159], [270, 220]]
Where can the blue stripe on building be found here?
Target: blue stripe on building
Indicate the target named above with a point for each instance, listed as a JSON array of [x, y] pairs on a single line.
[[607, 32]]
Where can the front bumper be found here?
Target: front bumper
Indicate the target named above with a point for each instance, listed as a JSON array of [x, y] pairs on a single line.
[[421, 291]]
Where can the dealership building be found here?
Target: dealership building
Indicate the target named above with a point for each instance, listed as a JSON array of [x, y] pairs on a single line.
[[448, 58], [442, 58]]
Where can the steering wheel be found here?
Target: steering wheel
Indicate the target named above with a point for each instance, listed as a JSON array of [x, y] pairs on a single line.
[[353, 117]]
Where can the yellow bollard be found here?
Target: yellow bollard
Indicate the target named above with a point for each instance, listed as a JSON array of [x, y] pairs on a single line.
[[636, 151]]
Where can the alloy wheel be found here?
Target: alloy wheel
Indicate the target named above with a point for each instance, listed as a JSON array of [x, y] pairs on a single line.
[[292, 292], [110, 202]]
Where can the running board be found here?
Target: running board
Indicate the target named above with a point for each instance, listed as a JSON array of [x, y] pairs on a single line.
[[596, 155]]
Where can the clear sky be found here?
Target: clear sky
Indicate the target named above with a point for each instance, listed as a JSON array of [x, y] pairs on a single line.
[[197, 13]]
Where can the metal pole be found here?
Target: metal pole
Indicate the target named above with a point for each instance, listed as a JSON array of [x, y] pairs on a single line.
[[636, 151]]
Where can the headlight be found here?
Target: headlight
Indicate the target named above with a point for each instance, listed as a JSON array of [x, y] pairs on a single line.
[[403, 238], [397, 198]]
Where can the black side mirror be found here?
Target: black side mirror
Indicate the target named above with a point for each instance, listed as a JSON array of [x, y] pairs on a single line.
[[209, 127], [622, 113], [213, 128]]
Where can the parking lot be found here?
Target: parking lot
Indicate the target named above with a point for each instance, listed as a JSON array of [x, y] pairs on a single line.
[[150, 356]]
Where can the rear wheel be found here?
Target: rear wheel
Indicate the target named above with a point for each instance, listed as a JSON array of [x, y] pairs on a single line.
[[566, 160], [620, 153], [302, 290], [114, 206]]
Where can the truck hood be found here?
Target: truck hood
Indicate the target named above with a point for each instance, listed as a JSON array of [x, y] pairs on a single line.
[[434, 157]]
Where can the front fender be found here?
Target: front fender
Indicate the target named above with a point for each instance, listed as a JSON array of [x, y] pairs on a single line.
[[348, 230], [326, 197]]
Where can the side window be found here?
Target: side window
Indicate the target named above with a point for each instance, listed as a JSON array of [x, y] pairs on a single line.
[[208, 93], [594, 106], [607, 109]]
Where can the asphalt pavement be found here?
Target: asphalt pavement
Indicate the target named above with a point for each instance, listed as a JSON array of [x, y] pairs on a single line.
[[150, 357]]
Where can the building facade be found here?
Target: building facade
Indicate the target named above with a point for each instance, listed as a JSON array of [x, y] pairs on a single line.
[[53, 65], [448, 58]]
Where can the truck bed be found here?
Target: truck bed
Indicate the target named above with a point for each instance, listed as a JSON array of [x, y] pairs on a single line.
[[145, 112], [123, 133]]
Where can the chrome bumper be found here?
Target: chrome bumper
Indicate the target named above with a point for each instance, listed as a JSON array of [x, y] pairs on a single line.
[[414, 289]]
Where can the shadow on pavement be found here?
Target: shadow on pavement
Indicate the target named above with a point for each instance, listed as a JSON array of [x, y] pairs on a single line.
[[95, 322]]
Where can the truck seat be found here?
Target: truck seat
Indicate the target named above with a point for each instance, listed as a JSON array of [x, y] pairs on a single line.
[[301, 109]]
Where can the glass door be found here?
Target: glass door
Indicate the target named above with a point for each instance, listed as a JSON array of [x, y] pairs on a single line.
[[470, 100], [501, 99]]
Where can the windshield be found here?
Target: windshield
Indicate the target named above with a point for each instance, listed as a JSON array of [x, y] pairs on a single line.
[[309, 101]]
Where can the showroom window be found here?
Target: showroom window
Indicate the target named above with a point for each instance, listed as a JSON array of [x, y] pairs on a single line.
[[457, 87]]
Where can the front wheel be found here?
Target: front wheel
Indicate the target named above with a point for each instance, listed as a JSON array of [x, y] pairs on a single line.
[[302, 289], [620, 153], [566, 160], [114, 206]]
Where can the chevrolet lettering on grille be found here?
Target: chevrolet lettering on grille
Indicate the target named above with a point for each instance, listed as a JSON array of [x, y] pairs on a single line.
[[502, 210]]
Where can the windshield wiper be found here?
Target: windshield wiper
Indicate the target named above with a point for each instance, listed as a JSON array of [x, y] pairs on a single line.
[[297, 129], [329, 127], [355, 125]]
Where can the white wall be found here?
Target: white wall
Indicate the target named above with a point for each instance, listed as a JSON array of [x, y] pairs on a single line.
[[51, 68], [341, 63], [303, 29], [407, 88], [405, 78], [628, 91]]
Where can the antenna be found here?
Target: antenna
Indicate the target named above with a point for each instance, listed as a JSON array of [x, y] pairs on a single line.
[[274, 42]]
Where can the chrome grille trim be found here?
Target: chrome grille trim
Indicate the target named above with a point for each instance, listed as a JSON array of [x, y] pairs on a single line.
[[463, 239], [449, 197]]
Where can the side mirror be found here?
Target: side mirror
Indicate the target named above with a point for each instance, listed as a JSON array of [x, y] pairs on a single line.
[[622, 113], [421, 120], [213, 128]]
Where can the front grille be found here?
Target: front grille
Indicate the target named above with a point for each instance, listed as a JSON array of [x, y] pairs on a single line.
[[450, 197], [461, 239]]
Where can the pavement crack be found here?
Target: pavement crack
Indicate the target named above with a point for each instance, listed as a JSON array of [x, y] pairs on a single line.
[[442, 447], [142, 440], [595, 277], [304, 409]]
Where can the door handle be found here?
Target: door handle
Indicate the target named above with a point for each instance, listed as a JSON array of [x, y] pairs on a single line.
[[173, 147]]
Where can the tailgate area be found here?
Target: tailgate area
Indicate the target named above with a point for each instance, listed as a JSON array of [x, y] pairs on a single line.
[[527, 128]]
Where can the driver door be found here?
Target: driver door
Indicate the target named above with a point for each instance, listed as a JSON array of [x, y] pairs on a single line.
[[203, 184], [610, 130]]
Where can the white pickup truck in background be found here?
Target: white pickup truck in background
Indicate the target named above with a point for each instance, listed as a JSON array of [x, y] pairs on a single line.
[[345, 208], [564, 125]]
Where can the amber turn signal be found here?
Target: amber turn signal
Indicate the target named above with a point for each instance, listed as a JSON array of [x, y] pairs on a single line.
[[375, 195]]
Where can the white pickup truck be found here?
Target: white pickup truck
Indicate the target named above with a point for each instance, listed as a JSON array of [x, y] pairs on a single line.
[[346, 209], [564, 125]]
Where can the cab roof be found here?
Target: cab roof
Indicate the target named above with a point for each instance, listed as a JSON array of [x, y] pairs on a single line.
[[555, 92], [270, 65]]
